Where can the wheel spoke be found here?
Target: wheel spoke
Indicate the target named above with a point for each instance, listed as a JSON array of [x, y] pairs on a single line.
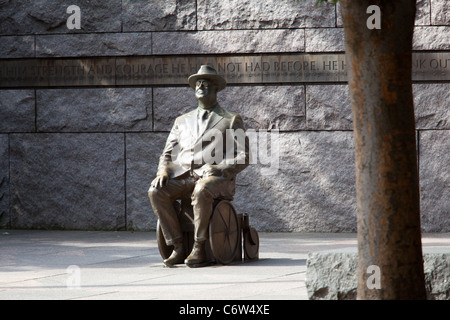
[[221, 216], [227, 247]]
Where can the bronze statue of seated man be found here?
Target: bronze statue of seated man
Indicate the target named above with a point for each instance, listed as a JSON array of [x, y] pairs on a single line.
[[205, 150]]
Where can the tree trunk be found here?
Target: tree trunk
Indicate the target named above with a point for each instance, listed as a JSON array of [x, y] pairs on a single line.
[[379, 65]]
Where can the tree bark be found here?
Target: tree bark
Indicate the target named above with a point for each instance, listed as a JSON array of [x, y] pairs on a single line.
[[379, 63]]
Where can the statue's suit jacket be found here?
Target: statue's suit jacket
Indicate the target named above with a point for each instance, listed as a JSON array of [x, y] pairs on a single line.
[[190, 148]]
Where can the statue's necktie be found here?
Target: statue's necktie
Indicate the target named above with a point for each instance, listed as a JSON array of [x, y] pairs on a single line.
[[203, 120]]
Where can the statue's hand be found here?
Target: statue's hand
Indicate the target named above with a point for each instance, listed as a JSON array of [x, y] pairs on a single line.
[[161, 180]]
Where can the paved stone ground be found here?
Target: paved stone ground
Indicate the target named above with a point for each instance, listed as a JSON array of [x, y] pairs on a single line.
[[127, 265]]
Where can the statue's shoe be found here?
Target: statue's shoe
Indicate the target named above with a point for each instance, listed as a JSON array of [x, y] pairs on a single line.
[[197, 258], [177, 257]]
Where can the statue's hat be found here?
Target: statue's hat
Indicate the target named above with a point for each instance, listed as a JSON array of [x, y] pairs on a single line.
[[207, 72]]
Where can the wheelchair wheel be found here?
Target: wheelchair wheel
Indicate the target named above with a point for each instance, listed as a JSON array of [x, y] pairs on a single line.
[[224, 232], [163, 248], [251, 244]]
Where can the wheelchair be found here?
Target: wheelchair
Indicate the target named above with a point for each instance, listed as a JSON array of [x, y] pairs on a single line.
[[230, 234]]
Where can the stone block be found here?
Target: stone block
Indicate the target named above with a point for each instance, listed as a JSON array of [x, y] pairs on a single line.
[[431, 104], [440, 12], [67, 181], [324, 40], [264, 107], [431, 38], [17, 112], [310, 189], [233, 42], [17, 47], [332, 275], [142, 156], [94, 110], [38, 17], [328, 107], [267, 107], [170, 103], [423, 13], [4, 181], [436, 266], [272, 14], [434, 164], [93, 44], [431, 66], [159, 15]]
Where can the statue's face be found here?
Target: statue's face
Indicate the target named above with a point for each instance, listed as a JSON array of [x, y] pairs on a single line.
[[205, 88]]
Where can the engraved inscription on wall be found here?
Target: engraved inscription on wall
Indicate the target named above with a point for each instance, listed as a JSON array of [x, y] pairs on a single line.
[[174, 70]]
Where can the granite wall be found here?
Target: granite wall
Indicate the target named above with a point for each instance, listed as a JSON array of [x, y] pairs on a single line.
[[83, 157]]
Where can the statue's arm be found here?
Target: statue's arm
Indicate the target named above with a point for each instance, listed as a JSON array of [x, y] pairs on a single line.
[[240, 154], [241, 147], [166, 159]]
